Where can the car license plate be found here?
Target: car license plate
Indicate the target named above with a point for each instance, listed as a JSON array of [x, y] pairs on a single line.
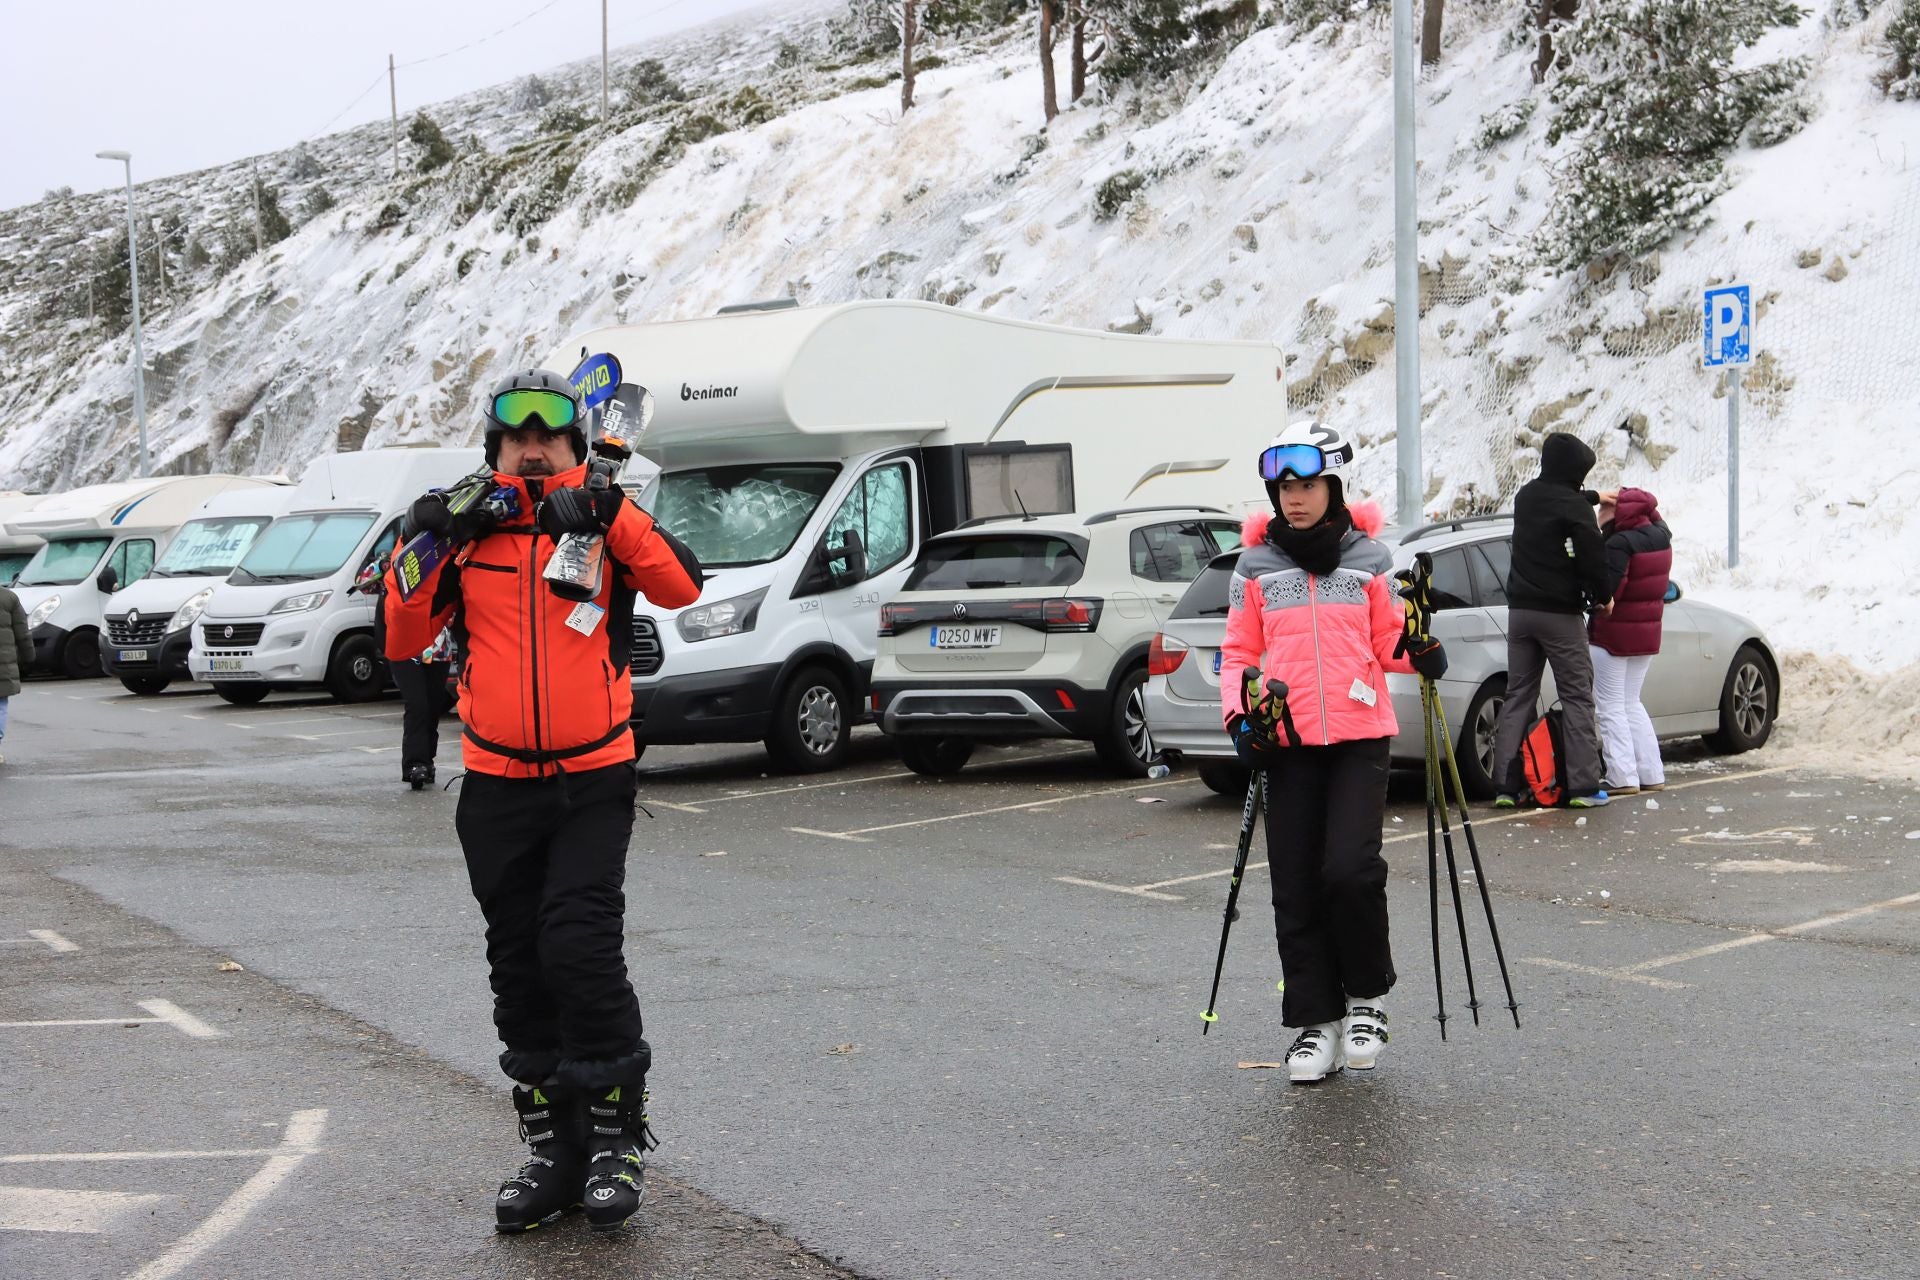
[[133, 655], [965, 637], [224, 664]]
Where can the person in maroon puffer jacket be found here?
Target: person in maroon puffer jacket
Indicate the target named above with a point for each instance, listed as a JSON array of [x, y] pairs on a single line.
[[1624, 636]]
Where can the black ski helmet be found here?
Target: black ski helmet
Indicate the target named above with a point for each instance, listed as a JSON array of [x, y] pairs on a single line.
[[533, 380]]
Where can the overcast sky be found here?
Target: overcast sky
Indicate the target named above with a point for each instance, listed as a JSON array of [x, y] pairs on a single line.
[[185, 84]]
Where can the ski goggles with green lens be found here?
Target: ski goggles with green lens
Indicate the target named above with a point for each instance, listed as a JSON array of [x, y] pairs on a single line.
[[518, 408], [1305, 461]]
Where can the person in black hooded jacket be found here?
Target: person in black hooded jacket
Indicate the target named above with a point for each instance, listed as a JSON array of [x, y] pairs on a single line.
[[1558, 572]]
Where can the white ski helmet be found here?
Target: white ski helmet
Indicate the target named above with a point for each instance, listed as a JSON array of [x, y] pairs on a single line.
[[1306, 449]]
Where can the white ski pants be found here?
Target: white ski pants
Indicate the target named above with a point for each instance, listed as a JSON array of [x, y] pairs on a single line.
[[1626, 730]]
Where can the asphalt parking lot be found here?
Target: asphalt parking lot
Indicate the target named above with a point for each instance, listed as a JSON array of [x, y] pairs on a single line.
[[927, 1028]]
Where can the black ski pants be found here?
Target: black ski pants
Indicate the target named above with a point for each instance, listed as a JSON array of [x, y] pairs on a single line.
[[1325, 807], [423, 695], [547, 858]]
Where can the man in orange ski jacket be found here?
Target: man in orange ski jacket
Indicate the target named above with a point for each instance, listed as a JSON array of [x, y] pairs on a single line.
[[546, 806]]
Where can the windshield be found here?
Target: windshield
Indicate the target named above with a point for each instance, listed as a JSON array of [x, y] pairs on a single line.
[[299, 548], [996, 560], [11, 562], [740, 515], [63, 562], [209, 546]]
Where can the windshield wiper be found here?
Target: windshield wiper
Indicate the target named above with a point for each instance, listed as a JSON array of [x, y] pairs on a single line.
[[990, 583]]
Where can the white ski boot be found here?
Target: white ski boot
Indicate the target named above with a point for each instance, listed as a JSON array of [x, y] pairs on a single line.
[[1315, 1053], [1366, 1033]]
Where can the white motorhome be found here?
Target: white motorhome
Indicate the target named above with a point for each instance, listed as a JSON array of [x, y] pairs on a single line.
[[100, 538], [805, 453], [149, 624], [285, 619], [16, 548]]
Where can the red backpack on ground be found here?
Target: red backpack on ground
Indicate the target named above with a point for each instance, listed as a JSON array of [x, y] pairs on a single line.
[[1540, 754]]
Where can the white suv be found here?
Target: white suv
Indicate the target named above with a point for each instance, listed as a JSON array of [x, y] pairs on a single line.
[[1036, 627]]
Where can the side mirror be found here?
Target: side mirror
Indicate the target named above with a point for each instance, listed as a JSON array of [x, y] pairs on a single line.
[[854, 552], [1673, 591], [108, 581]]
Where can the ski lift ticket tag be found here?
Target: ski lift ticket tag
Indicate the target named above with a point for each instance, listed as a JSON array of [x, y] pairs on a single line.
[[585, 617]]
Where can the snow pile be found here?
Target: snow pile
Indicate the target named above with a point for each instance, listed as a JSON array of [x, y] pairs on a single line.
[[1835, 716], [1257, 206]]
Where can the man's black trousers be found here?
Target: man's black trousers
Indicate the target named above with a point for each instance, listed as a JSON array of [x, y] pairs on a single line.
[[423, 694], [547, 858], [1329, 880]]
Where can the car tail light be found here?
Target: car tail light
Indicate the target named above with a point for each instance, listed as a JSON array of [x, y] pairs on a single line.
[[1070, 615], [1165, 655], [888, 614]]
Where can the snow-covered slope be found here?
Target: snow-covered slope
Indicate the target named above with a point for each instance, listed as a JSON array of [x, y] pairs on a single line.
[[1256, 205]]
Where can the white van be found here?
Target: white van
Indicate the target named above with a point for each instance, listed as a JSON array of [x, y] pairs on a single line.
[[284, 619], [805, 453], [100, 538], [16, 548], [147, 636]]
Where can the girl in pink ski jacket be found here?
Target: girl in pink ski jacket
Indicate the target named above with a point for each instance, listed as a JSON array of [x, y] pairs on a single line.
[[1312, 604]]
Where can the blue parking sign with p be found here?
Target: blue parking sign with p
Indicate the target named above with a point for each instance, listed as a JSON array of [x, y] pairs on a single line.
[[1730, 326]]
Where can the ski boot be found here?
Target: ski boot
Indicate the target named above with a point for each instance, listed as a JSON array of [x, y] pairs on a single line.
[[548, 1184], [618, 1140], [1366, 1033], [418, 776], [1316, 1053]]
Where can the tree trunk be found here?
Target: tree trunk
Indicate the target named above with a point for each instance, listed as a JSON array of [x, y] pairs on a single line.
[[909, 32], [1050, 97], [1430, 32], [1079, 54], [1550, 11]]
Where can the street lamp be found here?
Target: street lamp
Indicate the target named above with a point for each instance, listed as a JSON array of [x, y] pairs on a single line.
[[133, 266]]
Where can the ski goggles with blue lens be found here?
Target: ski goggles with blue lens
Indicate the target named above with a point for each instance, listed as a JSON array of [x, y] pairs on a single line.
[[518, 408], [1305, 461]]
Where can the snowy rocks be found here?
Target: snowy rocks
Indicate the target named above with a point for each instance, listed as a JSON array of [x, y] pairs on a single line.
[[1836, 270], [1140, 322], [1243, 235], [1550, 414]]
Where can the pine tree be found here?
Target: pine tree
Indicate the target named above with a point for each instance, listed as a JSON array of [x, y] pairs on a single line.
[[1902, 78], [435, 150], [1649, 90], [274, 224], [531, 94]]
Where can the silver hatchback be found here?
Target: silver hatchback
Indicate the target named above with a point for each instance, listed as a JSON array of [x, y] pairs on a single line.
[[1716, 675]]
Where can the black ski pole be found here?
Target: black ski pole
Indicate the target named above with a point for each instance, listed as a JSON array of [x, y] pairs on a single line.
[[1430, 700], [1479, 873], [1249, 816], [1433, 864]]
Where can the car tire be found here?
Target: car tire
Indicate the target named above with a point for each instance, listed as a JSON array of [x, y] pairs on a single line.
[[1124, 744], [1474, 751], [240, 695], [356, 672], [811, 723], [144, 684], [1749, 701], [80, 655], [934, 757], [1225, 779]]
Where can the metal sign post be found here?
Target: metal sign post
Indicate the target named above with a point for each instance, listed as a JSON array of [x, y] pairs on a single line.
[[1730, 347]]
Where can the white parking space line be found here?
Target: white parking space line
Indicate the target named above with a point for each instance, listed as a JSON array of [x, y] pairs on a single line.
[[374, 751], [1841, 917], [1664, 984], [1698, 953], [831, 835], [54, 942], [337, 733], [981, 813], [127, 1157], [302, 1140], [709, 801], [1117, 888], [163, 1011], [78, 1212]]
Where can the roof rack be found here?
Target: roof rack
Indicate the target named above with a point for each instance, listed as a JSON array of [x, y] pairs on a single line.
[[770, 304], [1107, 517], [1456, 524]]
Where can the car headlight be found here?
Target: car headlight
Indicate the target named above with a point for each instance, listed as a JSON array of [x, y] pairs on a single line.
[[42, 611], [302, 603], [722, 617], [189, 613]]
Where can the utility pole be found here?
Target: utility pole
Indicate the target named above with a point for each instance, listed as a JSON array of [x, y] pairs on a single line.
[[159, 230], [1411, 490], [603, 60], [259, 234], [393, 105]]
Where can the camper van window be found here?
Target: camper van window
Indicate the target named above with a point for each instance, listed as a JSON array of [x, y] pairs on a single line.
[[209, 546], [131, 562], [880, 512], [964, 564], [1019, 481], [11, 563], [63, 562], [741, 515], [299, 548]]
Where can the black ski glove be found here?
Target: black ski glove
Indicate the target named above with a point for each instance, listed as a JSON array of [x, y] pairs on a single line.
[[1252, 744], [574, 510], [428, 514], [1427, 657], [475, 523]]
